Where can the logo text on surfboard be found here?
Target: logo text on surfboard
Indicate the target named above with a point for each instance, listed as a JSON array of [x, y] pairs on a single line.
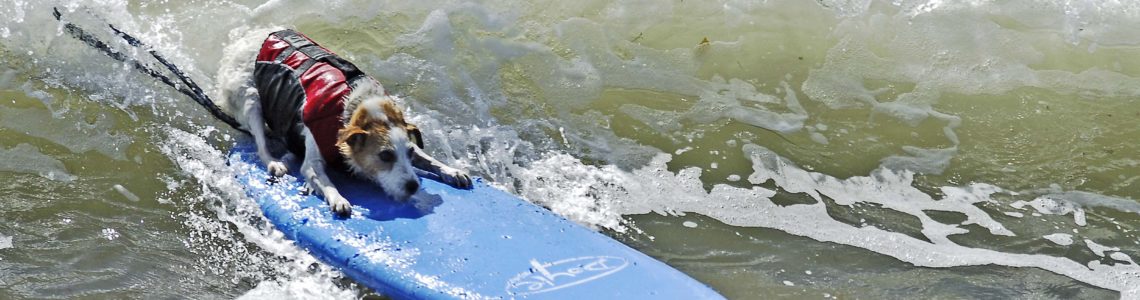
[[550, 276]]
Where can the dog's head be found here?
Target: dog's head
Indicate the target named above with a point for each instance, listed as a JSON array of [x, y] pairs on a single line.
[[378, 144]]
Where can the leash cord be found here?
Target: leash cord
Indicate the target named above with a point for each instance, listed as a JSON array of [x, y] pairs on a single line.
[[193, 91]]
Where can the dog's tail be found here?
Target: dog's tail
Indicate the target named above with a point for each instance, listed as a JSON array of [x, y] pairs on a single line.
[[186, 87]]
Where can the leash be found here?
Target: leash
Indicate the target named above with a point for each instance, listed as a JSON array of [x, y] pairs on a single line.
[[187, 87]]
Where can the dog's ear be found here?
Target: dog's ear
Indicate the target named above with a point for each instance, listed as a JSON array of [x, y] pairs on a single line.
[[352, 136], [415, 134]]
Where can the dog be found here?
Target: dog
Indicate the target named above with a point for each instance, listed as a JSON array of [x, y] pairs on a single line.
[[298, 98]]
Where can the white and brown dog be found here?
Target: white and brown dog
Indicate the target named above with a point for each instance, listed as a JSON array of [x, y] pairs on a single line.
[[296, 97]]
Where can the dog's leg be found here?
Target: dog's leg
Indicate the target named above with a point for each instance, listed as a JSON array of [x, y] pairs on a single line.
[[256, 122], [451, 176], [313, 168]]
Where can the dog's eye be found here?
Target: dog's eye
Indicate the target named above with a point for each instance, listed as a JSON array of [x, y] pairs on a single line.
[[388, 156]]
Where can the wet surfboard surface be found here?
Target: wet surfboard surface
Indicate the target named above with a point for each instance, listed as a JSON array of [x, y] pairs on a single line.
[[447, 243]]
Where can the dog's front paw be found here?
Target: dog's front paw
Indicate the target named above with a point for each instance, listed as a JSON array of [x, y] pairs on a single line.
[[338, 204], [456, 178], [277, 168]]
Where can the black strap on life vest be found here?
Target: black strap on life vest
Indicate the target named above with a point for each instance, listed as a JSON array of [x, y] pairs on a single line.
[[318, 54]]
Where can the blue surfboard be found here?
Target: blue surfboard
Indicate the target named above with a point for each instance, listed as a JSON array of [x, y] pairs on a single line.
[[447, 243]]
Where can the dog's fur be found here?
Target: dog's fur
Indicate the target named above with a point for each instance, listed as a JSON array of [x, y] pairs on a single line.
[[376, 141]]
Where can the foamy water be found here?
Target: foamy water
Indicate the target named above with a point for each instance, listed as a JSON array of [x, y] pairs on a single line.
[[777, 149]]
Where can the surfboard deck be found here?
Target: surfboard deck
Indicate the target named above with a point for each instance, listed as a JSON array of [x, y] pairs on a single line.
[[447, 243]]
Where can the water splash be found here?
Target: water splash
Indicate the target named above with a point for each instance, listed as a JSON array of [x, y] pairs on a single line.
[[234, 221], [540, 98]]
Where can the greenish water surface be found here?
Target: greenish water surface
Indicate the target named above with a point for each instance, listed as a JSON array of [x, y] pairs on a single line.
[[770, 149]]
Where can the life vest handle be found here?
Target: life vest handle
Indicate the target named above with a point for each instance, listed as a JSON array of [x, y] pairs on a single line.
[[315, 52]]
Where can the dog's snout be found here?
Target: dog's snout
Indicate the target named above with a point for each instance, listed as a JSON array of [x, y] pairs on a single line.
[[411, 186]]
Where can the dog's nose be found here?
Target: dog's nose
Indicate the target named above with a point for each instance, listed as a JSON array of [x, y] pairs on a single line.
[[411, 186]]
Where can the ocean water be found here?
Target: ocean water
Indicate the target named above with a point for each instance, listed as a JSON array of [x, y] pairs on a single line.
[[772, 149]]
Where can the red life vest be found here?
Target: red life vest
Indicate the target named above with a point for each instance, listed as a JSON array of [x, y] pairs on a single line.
[[303, 85]]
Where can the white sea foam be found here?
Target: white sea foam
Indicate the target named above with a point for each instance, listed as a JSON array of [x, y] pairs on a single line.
[[1086, 199], [126, 193], [1120, 256], [286, 271], [456, 57], [305, 287], [109, 233], [1049, 206], [655, 189], [1062, 239], [26, 158], [1099, 249], [5, 242]]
